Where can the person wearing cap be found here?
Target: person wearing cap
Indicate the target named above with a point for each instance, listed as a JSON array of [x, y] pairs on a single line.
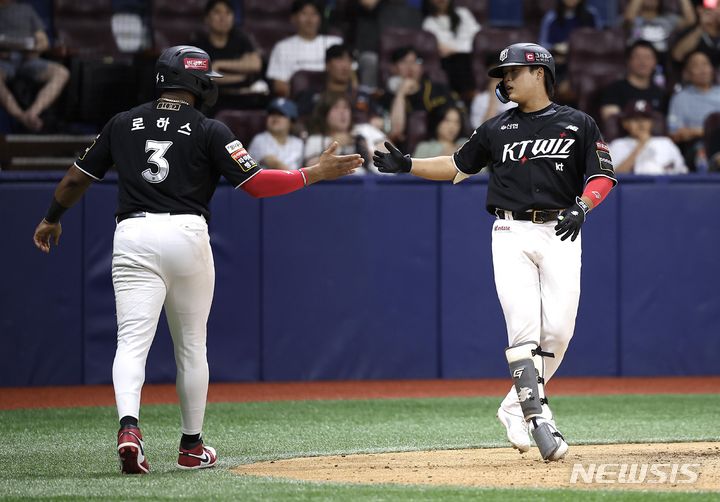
[[640, 152], [548, 167], [276, 148]]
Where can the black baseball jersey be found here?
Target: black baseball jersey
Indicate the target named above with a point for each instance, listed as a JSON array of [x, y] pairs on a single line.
[[169, 158], [538, 160]]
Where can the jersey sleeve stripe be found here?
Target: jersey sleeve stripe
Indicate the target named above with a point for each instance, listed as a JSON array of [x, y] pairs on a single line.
[[249, 178], [614, 181], [83, 170]]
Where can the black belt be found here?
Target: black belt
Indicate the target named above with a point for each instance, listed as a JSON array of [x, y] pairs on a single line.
[[141, 214], [535, 215]]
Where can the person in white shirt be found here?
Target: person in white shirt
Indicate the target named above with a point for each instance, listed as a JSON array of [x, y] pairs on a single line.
[[304, 51], [455, 29], [276, 148], [640, 152]]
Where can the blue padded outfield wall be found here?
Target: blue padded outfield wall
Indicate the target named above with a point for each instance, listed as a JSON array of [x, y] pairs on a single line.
[[368, 278]]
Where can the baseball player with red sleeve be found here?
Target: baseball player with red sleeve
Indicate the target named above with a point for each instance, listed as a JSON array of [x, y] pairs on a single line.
[[169, 158], [549, 167]]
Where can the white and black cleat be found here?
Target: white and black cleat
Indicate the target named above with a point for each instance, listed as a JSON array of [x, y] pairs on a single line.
[[516, 428]]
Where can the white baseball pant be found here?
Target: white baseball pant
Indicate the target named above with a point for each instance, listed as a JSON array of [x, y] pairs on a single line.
[[537, 277], [163, 260]]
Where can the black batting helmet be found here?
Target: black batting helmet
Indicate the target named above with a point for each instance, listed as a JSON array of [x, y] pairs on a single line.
[[524, 54], [189, 68]]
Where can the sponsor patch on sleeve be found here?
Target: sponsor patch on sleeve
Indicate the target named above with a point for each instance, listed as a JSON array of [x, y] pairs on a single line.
[[606, 163], [233, 146], [243, 159], [602, 146]]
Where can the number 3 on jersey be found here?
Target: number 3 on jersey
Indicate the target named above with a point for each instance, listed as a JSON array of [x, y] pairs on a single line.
[[158, 149]]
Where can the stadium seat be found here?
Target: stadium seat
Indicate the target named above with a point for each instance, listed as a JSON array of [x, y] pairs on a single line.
[[424, 43], [245, 124], [479, 8], [84, 28], [265, 33], [589, 86], [174, 22], [265, 9], [506, 14], [492, 41], [588, 46], [533, 12], [711, 136], [416, 130], [303, 80]]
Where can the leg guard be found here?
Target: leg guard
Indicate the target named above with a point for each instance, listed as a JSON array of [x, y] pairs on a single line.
[[548, 439], [527, 370]]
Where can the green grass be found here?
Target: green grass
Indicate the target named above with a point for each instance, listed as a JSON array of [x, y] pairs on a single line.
[[69, 454]]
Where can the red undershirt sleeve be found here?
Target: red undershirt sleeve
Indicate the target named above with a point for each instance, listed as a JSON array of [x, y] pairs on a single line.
[[268, 183], [597, 189]]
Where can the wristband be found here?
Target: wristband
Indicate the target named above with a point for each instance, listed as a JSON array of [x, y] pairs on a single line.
[[583, 205], [54, 212]]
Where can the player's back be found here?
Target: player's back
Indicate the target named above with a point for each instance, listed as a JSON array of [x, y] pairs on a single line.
[[160, 151]]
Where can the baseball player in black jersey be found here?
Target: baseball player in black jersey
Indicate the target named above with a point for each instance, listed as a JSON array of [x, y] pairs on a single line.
[[169, 159], [548, 166]]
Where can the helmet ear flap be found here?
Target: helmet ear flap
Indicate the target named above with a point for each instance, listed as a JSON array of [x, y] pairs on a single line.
[[501, 92]]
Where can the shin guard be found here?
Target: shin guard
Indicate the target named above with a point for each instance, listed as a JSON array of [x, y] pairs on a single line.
[[527, 371]]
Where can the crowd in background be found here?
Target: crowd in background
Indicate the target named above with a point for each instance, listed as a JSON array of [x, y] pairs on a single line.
[[325, 74]]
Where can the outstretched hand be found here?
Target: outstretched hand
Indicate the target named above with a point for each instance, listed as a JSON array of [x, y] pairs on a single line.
[[45, 233], [393, 161], [331, 166]]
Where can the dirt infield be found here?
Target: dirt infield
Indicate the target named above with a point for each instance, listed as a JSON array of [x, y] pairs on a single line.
[[102, 395], [662, 466]]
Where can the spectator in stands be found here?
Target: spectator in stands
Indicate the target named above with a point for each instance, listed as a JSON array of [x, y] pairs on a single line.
[[339, 78], [304, 51], [23, 39], [650, 20], [232, 54], [332, 121], [455, 29], [703, 36], [555, 29], [640, 152], [641, 60], [445, 124], [277, 148], [691, 105], [366, 20], [485, 105], [410, 90]]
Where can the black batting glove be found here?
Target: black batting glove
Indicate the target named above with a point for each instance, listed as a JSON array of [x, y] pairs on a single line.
[[392, 162], [570, 220]]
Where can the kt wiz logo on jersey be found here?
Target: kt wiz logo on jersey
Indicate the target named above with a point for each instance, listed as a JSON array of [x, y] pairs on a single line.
[[555, 148]]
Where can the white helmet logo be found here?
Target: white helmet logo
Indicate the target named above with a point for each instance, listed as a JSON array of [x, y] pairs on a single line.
[[504, 55]]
